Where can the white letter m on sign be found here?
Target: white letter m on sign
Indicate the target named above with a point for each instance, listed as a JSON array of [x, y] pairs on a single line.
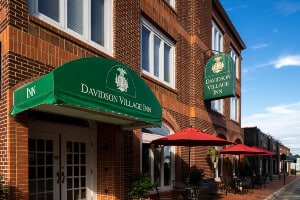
[[30, 92]]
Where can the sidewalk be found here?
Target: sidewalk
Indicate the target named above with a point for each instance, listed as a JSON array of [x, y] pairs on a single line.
[[272, 188]]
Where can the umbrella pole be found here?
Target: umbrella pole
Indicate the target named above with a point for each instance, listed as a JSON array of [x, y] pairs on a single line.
[[189, 171]]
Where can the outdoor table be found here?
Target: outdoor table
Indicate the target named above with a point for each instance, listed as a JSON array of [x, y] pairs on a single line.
[[190, 192], [238, 182]]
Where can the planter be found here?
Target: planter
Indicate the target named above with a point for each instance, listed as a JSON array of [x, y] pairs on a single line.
[[275, 177]]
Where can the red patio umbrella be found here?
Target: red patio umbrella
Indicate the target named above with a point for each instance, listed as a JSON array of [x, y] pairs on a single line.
[[266, 152], [190, 137], [239, 149]]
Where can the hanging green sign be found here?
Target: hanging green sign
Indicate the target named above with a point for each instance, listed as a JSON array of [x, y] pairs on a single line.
[[219, 77]]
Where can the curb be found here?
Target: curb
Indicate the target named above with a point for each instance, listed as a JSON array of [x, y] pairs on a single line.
[[278, 192]]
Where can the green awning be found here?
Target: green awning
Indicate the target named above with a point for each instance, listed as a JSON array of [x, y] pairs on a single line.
[[92, 88]]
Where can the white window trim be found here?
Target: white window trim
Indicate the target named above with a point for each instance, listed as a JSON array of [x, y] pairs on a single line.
[[235, 59], [155, 32], [217, 47], [237, 109], [216, 30], [220, 108], [62, 25], [171, 2]]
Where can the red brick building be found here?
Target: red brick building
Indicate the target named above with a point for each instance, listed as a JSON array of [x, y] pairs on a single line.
[[57, 143]]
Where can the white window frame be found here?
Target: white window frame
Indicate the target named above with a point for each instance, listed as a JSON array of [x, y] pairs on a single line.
[[86, 36], [218, 105], [147, 138], [154, 32], [235, 59], [217, 46], [217, 39], [235, 109], [171, 2]]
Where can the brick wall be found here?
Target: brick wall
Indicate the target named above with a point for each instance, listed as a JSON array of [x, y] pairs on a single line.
[[31, 48]]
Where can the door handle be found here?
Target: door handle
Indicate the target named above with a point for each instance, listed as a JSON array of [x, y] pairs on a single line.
[[58, 177], [63, 177]]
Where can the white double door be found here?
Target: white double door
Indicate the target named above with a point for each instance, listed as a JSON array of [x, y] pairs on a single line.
[[62, 161]]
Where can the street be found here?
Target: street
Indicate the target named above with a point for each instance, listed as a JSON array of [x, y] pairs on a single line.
[[290, 192]]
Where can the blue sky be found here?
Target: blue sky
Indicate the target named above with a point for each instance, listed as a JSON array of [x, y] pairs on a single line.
[[270, 66]]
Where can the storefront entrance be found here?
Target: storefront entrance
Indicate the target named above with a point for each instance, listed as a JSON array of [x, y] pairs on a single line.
[[61, 161]]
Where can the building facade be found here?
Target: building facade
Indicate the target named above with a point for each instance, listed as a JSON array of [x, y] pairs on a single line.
[[87, 85], [267, 165]]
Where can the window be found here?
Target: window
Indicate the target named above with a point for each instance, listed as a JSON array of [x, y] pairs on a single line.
[[234, 108], [235, 59], [157, 160], [217, 38], [157, 54], [171, 2], [217, 46], [87, 20], [217, 105], [0, 69]]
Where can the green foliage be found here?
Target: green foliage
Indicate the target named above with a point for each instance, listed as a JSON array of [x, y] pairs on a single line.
[[293, 171], [140, 186], [3, 190], [246, 169], [213, 153]]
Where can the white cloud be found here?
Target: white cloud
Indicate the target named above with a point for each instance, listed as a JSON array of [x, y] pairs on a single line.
[[281, 122], [259, 46], [290, 60], [287, 7]]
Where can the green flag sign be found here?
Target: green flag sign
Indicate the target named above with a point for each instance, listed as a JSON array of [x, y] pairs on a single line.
[[219, 77]]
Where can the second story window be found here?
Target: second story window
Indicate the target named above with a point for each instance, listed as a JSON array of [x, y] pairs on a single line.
[[157, 54], [217, 38], [171, 2], [235, 59], [234, 109], [87, 20], [217, 46], [217, 105]]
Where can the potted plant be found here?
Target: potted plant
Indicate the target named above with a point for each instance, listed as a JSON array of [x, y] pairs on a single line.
[[140, 186], [214, 154], [3, 190]]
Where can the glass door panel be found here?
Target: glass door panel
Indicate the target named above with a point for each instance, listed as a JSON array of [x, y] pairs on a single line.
[[74, 166], [41, 168]]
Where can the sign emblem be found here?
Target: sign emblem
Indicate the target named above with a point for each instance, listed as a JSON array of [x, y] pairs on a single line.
[[218, 66], [121, 81]]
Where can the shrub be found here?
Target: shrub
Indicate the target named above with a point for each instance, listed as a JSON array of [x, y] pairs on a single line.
[[140, 186], [3, 190]]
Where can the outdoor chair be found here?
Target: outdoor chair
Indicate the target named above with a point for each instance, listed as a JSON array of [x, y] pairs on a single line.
[[179, 189], [222, 183], [248, 185], [229, 185], [159, 196], [239, 185], [208, 191], [261, 182]]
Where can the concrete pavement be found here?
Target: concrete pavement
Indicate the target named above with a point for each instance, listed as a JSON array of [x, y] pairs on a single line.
[[272, 191], [289, 192]]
